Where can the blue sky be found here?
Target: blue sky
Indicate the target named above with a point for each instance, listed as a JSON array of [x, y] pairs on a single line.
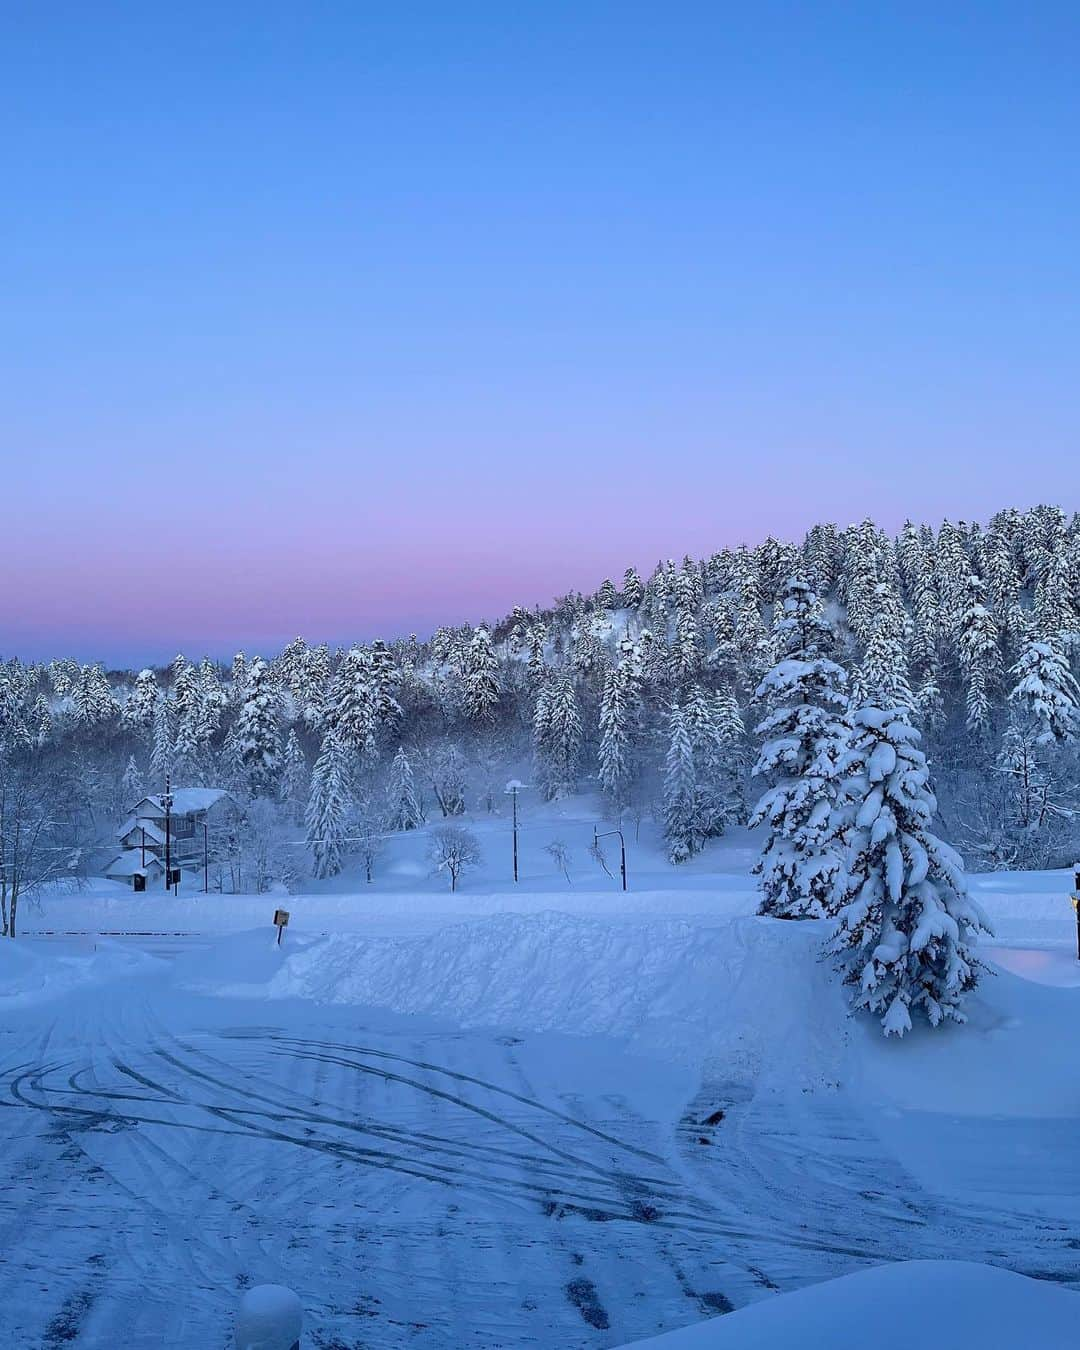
[[354, 319]]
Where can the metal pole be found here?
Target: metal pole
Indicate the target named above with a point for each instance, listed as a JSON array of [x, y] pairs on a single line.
[[514, 796], [166, 802], [1076, 905], [205, 859]]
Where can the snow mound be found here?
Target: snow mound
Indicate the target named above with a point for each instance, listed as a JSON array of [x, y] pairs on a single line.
[[750, 990], [894, 1307], [28, 976], [21, 972]]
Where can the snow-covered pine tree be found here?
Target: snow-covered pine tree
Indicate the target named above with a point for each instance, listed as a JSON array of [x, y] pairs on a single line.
[[881, 676], [731, 734], [295, 779], [482, 687], [402, 799], [315, 689], [979, 655], [357, 702], [188, 709], [211, 703], [713, 797], [258, 736], [161, 752], [91, 698], [62, 676], [607, 597], [132, 788], [686, 651], [805, 733], [620, 717], [41, 721], [385, 672], [906, 926], [557, 736], [633, 592], [238, 678], [14, 723], [138, 711], [1056, 616], [328, 808], [682, 833], [1045, 694]]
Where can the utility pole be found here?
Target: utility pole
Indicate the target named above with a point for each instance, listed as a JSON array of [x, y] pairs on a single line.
[[622, 849], [166, 802]]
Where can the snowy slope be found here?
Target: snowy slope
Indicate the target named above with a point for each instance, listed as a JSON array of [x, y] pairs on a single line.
[[896, 1307]]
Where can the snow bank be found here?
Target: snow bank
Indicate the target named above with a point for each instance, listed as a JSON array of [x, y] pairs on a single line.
[[1016, 1056], [895, 1307], [28, 975], [751, 990]]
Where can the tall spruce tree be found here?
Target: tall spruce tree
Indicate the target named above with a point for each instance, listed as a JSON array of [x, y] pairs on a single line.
[[328, 808], [682, 832], [805, 733], [403, 801], [557, 736], [295, 779], [906, 926], [258, 735]]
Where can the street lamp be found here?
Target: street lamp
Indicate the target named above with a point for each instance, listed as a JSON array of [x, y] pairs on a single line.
[[167, 803], [512, 789], [622, 848]]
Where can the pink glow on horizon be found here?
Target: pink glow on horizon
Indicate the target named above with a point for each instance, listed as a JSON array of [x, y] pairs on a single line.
[[141, 599]]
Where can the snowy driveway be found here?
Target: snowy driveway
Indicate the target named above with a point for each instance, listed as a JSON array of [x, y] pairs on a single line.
[[418, 1186], [429, 1187]]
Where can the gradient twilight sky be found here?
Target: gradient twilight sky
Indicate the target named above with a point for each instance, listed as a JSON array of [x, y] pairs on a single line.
[[353, 318]]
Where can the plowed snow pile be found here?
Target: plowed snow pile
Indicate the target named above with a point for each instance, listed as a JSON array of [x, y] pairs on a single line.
[[28, 976], [750, 990]]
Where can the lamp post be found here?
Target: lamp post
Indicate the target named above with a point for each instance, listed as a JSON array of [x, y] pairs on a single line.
[[167, 802], [622, 848], [513, 788]]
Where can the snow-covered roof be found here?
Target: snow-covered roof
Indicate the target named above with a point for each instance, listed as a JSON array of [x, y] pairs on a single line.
[[130, 865], [184, 801], [153, 834]]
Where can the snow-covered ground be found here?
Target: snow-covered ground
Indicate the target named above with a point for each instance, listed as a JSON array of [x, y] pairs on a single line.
[[556, 1116]]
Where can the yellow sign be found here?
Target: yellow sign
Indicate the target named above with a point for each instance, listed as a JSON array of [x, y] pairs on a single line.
[[281, 918]]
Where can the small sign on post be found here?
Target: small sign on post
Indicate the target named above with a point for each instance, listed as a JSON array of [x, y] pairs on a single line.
[[281, 919]]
